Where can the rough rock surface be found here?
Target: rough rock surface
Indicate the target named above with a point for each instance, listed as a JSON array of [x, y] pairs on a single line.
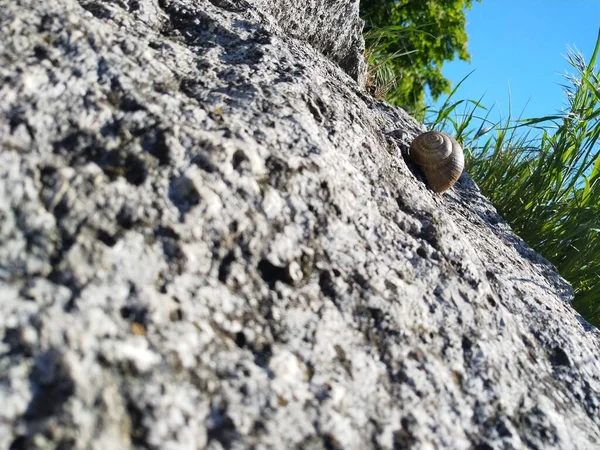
[[331, 26], [209, 238]]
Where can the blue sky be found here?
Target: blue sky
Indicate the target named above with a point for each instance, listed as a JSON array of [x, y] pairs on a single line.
[[517, 49]]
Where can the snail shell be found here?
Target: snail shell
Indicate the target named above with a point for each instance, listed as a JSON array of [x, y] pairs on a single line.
[[439, 157]]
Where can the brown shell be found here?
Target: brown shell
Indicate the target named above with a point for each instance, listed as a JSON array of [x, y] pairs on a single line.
[[439, 157]]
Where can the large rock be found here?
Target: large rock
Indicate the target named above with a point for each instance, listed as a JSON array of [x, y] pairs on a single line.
[[331, 26], [209, 238]]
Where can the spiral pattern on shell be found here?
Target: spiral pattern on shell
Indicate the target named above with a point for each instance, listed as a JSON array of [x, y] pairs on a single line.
[[439, 157]]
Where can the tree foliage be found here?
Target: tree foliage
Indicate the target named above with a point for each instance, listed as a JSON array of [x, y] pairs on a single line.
[[407, 43]]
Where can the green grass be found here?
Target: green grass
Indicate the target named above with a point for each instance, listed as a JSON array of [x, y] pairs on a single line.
[[381, 78], [543, 175]]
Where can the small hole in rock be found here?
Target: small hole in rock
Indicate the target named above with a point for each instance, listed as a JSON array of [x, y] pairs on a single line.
[[240, 161], [240, 339], [106, 238]]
